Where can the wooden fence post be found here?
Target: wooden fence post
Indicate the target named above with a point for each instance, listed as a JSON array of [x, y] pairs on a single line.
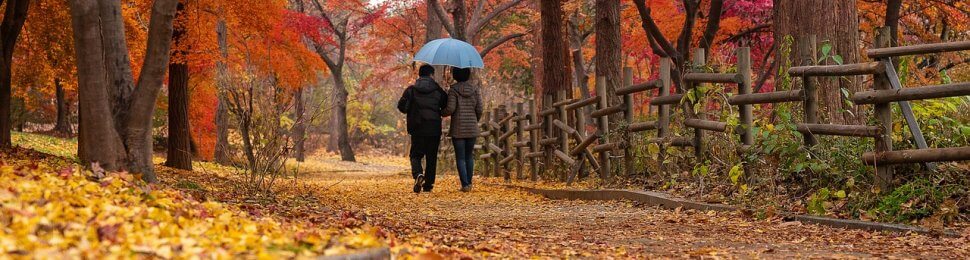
[[663, 119], [628, 115], [884, 143], [507, 153], [806, 50], [519, 137], [698, 133], [604, 125], [486, 139], [747, 117], [563, 135], [496, 116], [534, 137]]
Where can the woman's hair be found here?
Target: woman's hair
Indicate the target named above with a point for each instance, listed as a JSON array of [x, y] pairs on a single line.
[[461, 74]]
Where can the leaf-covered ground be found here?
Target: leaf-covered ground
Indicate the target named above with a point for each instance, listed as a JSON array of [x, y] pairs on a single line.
[[498, 222], [51, 209], [356, 205]]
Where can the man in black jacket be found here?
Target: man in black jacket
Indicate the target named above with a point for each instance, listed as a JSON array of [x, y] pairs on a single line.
[[423, 103]]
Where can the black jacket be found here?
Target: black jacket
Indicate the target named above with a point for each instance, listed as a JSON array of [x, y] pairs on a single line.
[[423, 102]]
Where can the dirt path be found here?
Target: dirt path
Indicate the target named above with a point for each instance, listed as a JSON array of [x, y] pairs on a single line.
[[498, 222]]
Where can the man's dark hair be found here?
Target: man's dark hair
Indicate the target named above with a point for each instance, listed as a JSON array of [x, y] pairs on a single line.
[[461, 74], [426, 70]]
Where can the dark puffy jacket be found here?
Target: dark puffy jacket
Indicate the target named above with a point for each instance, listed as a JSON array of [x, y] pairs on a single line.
[[465, 108], [423, 102]]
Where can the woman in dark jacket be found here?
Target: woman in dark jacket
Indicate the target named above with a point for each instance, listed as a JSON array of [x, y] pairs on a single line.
[[465, 108]]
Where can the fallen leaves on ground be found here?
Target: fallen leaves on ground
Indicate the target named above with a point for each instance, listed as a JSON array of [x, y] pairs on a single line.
[[69, 213], [371, 203], [498, 222]]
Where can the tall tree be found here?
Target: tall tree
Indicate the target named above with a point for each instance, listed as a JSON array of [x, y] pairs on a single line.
[[179, 150], [61, 123], [222, 83], [339, 27], [555, 50], [14, 16], [892, 20], [461, 27], [432, 25], [834, 22], [299, 126], [608, 46], [115, 116], [680, 52], [577, 40]]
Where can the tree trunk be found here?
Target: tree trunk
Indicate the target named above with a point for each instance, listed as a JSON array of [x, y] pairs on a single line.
[[837, 22], [892, 20], [6, 122], [116, 128], [15, 14], [459, 13], [555, 52], [339, 134], [62, 125], [432, 25], [222, 110], [580, 77], [98, 139], [536, 56], [299, 128], [608, 47], [179, 137]]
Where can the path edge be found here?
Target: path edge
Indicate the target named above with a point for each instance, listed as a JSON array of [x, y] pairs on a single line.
[[378, 253], [652, 198]]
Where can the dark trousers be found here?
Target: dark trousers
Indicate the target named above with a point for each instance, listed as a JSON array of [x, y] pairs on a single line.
[[425, 147], [465, 159]]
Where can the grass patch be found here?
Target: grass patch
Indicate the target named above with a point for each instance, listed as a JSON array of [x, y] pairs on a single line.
[[62, 147]]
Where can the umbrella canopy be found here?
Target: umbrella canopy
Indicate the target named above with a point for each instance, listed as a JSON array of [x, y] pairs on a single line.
[[450, 52]]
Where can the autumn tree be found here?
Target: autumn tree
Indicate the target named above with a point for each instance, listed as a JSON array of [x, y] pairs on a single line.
[[222, 82], [555, 51], [662, 46], [44, 64], [336, 26], [432, 24], [608, 46], [116, 111], [579, 31], [462, 27], [14, 16], [836, 23], [179, 142]]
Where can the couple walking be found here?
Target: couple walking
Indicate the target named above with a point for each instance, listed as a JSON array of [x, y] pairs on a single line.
[[425, 104]]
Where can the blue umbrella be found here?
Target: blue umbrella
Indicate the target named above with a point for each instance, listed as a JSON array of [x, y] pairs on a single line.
[[450, 52]]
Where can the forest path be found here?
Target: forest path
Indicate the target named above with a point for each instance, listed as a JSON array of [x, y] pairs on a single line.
[[494, 221]]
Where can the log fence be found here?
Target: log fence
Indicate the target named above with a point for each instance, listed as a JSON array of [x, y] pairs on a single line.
[[555, 137]]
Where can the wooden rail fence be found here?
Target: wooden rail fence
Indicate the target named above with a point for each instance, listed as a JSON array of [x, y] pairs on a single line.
[[556, 137]]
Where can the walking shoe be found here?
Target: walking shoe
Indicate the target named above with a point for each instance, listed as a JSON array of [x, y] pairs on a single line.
[[427, 189], [464, 189], [418, 182]]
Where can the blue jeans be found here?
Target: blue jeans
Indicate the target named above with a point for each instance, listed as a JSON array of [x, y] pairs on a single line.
[[465, 159]]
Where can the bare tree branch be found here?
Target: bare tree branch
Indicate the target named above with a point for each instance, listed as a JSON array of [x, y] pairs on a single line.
[[650, 26], [713, 24], [443, 17], [746, 32], [477, 13], [476, 25], [499, 42]]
